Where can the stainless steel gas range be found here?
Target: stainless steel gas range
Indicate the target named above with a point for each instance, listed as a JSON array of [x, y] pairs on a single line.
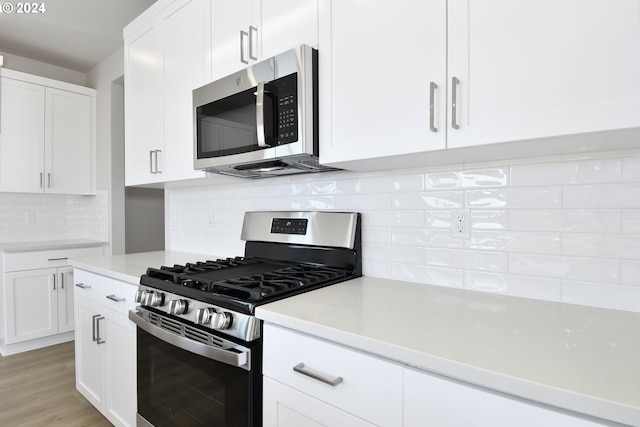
[[199, 345]]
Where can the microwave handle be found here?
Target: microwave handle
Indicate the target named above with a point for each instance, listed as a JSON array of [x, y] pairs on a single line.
[[261, 129]]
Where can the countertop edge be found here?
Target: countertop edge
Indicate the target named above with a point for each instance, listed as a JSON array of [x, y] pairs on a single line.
[[17, 247]]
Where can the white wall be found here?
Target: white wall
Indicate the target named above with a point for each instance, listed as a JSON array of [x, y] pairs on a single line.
[[106, 78], [559, 228], [26, 65]]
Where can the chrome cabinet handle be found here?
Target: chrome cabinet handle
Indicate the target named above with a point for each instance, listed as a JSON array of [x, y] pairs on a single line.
[[49, 180], [432, 90], [115, 298], [64, 258], [158, 169], [97, 339], [41, 180], [54, 282], [83, 286], [151, 152], [252, 30], [301, 369], [93, 326], [243, 34], [454, 100]]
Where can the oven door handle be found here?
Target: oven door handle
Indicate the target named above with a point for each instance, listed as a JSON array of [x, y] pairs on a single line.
[[234, 358]]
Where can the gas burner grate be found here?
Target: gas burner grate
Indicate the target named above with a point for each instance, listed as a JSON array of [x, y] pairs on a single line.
[[257, 287]]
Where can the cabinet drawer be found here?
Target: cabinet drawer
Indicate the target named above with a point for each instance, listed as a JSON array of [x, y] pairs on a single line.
[[16, 261], [370, 388], [111, 293]]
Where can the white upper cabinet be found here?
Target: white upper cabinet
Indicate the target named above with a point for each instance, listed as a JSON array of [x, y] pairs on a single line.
[[503, 73], [381, 67], [21, 136], [68, 154], [166, 57], [542, 68], [247, 31], [47, 136]]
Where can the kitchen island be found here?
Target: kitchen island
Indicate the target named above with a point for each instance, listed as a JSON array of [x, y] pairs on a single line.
[[579, 359]]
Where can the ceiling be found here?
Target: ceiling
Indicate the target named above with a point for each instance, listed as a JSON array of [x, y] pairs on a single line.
[[74, 34]]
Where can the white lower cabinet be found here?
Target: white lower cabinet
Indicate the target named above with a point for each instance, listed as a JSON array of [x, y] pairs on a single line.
[[36, 298], [106, 346], [309, 382], [40, 303], [434, 401], [287, 407]]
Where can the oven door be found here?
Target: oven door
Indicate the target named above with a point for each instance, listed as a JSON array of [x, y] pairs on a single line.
[[188, 376]]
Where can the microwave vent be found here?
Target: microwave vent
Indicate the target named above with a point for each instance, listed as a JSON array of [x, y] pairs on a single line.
[[238, 173], [312, 164]]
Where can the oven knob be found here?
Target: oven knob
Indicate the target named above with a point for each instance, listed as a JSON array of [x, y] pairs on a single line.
[[178, 306], [209, 317], [140, 296], [221, 321], [203, 315], [153, 298]]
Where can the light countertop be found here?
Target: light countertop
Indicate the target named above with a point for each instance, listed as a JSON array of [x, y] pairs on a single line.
[[130, 267], [11, 247], [574, 357]]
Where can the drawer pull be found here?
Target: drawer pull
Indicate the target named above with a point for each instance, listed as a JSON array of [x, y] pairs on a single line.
[[115, 298], [300, 368], [83, 286], [58, 259]]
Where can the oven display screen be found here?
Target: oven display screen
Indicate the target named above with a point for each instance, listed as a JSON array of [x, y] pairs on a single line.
[[289, 226]]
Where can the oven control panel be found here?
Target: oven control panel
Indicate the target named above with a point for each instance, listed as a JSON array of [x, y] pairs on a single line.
[[289, 226]]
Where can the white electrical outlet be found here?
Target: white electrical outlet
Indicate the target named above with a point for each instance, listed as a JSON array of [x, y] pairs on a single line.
[[29, 218], [210, 219], [461, 223], [173, 219]]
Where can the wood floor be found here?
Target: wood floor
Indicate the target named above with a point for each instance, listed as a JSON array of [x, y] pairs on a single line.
[[38, 388]]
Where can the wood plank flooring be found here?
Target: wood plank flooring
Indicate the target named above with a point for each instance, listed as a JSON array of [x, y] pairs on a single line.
[[38, 388]]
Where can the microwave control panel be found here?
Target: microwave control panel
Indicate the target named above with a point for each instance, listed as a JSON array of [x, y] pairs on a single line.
[[287, 108]]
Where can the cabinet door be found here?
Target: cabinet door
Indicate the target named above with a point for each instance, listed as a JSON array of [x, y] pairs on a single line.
[[69, 141], [435, 401], [230, 22], [376, 78], [286, 24], [64, 285], [21, 136], [31, 304], [89, 355], [121, 397], [144, 139], [535, 68], [284, 406], [186, 38]]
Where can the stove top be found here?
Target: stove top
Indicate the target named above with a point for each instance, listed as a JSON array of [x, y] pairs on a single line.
[[241, 283]]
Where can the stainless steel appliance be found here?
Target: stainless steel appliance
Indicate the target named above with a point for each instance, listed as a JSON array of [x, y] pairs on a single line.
[[199, 345], [261, 121]]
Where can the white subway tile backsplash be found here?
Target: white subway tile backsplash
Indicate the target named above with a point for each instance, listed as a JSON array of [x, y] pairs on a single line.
[[602, 196], [569, 172], [631, 169], [57, 217], [561, 228]]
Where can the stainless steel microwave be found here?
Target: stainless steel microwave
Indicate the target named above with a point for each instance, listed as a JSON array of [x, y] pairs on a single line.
[[261, 121]]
